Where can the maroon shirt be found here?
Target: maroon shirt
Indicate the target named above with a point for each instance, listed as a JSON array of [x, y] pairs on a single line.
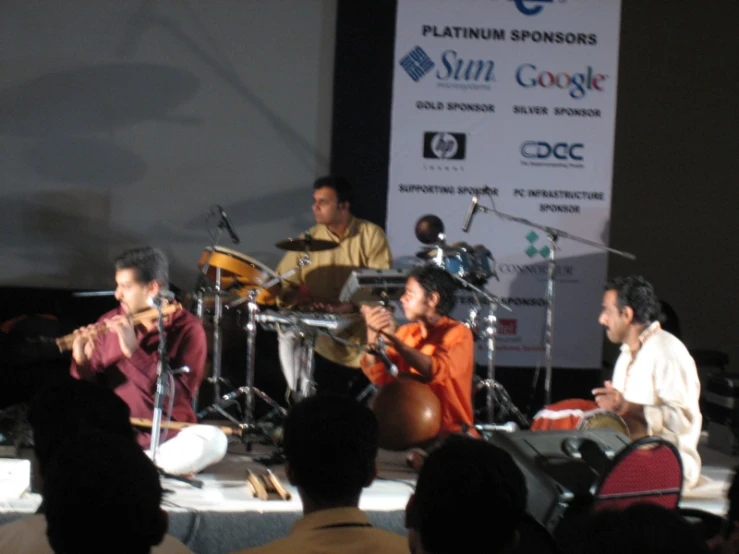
[[134, 379]]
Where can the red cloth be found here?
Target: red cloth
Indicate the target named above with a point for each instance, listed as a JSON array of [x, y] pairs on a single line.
[[451, 347], [134, 379], [565, 414]]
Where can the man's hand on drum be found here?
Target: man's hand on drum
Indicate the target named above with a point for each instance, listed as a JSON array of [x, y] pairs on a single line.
[[608, 398], [378, 318], [83, 346], [123, 327]]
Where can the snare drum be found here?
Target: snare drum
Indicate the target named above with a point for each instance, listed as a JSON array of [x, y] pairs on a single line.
[[460, 260]]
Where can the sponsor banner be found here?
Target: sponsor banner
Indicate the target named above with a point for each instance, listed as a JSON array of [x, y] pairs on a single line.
[[514, 100]]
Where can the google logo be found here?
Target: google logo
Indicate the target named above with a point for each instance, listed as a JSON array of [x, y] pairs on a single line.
[[578, 84]]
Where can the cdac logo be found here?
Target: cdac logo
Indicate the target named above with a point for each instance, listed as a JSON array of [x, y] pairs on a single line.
[[578, 84], [541, 150], [536, 6], [444, 146], [453, 70]]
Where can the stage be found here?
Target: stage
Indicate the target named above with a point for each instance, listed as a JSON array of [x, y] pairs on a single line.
[[224, 515]]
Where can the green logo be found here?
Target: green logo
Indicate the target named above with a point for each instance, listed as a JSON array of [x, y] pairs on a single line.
[[532, 251]]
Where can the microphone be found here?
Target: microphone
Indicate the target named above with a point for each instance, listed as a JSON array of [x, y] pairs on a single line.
[[508, 427], [225, 401], [163, 296], [392, 369], [470, 214], [225, 223]]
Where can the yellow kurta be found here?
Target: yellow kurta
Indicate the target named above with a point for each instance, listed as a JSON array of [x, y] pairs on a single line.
[[364, 245]]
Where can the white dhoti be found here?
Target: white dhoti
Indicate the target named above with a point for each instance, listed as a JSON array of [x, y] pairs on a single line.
[[296, 359], [193, 449]]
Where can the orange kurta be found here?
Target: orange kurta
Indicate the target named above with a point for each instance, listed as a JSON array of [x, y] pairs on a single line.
[[451, 346]]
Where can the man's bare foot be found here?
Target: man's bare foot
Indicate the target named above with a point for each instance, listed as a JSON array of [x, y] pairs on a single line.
[[415, 458]]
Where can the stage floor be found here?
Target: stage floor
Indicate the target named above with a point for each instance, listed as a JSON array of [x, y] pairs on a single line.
[[224, 515]]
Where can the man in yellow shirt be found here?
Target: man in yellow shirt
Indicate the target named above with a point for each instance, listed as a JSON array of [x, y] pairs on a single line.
[[316, 287]]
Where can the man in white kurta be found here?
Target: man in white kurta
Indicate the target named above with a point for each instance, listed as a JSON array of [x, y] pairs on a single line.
[[655, 386]]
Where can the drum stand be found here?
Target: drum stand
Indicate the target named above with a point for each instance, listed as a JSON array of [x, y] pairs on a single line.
[[490, 321], [250, 391], [216, 378]]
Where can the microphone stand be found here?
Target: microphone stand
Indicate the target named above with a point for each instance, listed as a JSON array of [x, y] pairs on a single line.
[[202, 280], [491, 319], [164, 372], [552, 235]]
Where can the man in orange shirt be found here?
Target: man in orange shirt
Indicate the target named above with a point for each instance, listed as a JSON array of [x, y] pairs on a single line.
[[433, 346]]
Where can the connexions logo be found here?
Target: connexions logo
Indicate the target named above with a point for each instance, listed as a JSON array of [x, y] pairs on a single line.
[[532, 7], [451, 70], [532, 251], [444, 146]]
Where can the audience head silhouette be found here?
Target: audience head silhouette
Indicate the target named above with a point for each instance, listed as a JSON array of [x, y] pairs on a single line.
[[102, 494], [330, 444], [469, 493]]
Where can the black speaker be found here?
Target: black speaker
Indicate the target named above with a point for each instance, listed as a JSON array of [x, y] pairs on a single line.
[[561, 467]]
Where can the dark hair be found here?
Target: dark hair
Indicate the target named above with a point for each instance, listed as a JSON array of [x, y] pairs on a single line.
[[640, 528], [103, 493], [340, 185], [638, 294], [62, 410], [331, 443], [433, 278], [471, 486], [149, 264]]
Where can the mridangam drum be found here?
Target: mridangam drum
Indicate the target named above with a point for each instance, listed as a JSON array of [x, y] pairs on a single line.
[[577, 414], [603, 419]]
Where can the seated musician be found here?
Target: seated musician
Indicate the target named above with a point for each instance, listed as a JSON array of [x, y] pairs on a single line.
[[433, 347], [655, 386], [316, 287], [126, 358]]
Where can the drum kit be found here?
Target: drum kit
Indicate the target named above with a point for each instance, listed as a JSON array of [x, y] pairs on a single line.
[[229, 279], [472, 267]]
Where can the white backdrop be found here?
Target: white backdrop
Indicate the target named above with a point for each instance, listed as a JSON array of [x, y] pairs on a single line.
[[518, 96], [122, 122]]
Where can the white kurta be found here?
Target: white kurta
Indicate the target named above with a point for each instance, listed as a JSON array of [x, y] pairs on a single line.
[[662, 376]]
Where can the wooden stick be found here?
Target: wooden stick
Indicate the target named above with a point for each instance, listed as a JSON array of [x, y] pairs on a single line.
[[257, 486], [277, 486], [141, 422]]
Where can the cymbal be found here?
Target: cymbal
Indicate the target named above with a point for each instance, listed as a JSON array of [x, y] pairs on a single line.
[[301, 245]]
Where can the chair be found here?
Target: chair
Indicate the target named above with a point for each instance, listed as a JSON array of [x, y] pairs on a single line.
[[647, 470]]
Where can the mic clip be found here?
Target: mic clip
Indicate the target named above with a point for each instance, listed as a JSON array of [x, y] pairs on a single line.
[[392, 369]]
